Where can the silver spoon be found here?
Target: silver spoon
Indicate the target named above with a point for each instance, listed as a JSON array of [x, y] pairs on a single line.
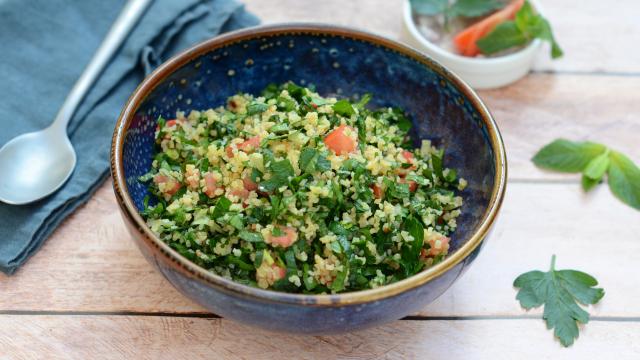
[[36, 164]]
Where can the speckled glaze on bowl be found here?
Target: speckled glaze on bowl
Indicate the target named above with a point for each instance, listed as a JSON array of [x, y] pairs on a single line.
[[337, 60]]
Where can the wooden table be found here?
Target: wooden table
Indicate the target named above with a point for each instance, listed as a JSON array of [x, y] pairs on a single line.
[[89, 293]]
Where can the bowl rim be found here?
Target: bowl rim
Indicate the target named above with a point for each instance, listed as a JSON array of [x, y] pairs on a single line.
[[501, 61], [186, 267]]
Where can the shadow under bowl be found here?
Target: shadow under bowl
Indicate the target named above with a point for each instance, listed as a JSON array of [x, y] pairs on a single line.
[[338, 61]]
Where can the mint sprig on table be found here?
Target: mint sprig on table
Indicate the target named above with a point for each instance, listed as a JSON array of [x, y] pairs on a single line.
[[593, 160], [561, 292], [464, 8], [528, 25]]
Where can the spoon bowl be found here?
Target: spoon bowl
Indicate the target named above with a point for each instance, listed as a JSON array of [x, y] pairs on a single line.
[[34, 165]]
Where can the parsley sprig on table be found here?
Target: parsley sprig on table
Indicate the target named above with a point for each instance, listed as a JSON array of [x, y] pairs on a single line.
[[560, 291], [594, 160]]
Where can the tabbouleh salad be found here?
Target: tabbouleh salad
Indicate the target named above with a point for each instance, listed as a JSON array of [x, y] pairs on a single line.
[[294, 192]]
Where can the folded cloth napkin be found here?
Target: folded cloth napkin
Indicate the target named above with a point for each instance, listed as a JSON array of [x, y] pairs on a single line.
[[45, 45]]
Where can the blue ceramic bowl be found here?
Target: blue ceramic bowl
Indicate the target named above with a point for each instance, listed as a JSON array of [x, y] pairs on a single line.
[[337, 60]]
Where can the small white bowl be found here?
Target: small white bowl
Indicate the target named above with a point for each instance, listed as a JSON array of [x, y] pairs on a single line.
[[480, 73]]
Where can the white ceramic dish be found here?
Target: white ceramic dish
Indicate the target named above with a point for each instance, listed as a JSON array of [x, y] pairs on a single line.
[[480, 73]]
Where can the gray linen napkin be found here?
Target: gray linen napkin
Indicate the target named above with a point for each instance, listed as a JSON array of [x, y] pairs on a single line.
[[44, 46]]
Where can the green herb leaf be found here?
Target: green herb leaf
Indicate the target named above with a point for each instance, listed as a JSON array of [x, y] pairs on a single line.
[[322, 164], [344, 108], [527, 26], [597, 167], [276, 206], [280, 128], [256, 108], [560, 291], [237, 222], [250, 236], [624, 179], [414, 227], [567, 156], [338, 283], [221, 208], [295, 91], [547, 34], [309, 282], [272, 90], [280, 173], [473, 8], [306, 161], [362, 102], [504, 36], [429, 7], [588, 183]]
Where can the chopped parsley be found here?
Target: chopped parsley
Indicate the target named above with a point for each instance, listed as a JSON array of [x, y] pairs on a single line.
[[292, 191]]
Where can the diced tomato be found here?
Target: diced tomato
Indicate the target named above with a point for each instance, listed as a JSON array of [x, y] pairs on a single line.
[[438, 245], [163, 179], [249, 184], [268, 273], [169, 123], [465, 41], [285, 240], [211, 185], [241, 193], [377, 191], [278, 271], [339, 142], [410, 159], [247, 146], [413, 186], [408, 155]]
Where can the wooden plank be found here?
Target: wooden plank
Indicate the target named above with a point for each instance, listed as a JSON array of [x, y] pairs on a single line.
[[150, 337], [594, 34], [594, 233], [538, 109], [90, 264]]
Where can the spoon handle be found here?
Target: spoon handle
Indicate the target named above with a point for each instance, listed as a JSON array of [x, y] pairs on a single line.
[[129, 16]]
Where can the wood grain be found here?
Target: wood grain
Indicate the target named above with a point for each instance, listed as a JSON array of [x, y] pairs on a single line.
[[595, 35], [538, 109], [90, 264], [149, 337]]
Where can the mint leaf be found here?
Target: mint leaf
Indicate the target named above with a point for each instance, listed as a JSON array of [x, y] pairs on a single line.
[[504, 36], [560, 292], [624, 179], [429, 7], [473, 8], [344, 108], [545, 33], [597, 167], [588, 183], [567, 156], [526, 18], [527, 26]]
